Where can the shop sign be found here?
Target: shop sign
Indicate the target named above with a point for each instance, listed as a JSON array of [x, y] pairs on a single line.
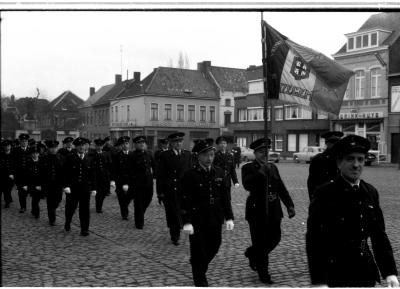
[[375, 114]]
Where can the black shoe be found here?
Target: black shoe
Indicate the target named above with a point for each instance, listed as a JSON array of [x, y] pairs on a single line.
[[7, 205], [125, 218], [84, 233], [36, 216], [99, 211], [252, 262], [22, 210], [175, 242], [140, 227], [52, 223], [67, 227], [265, 278]]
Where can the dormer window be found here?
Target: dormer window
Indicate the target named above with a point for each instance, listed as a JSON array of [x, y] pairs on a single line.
[[356, 41]]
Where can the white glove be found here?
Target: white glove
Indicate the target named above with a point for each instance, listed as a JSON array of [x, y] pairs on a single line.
[[25, 188], [67, 190], [229, 225], [93, 193], [125, 188], [112, 184], [392, 281], [39, 188], [188, 228], [11, 177], [237, 185]]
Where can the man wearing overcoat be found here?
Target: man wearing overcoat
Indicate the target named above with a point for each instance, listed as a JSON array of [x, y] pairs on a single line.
[[263, 207], [6, 172], [344, 217]]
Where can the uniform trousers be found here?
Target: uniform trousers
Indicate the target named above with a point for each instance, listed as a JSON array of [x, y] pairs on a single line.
[[204, 245], [6, 186], [53, 194], [22, 195], [174, 222], [124, 199], [101, 193], [81, 197], [142, 200], [264, 238], [36, 196]]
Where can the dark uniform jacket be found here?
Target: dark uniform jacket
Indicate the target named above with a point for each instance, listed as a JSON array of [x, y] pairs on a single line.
[[323, 169], [255, 180], [79, 174], [205, 198], [6, 167], [143, 169], [64, 152], [20, 158], [103, 167], [32, 176], [171, 170], [122, 168], [52, 169], [227, 163], [339, 223]]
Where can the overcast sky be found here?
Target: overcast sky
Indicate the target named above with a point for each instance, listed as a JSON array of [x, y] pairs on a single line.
[[58, 51]]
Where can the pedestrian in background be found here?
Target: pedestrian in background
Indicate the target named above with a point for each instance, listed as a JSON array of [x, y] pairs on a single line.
[[142, 179], [163, 146], [206, 204], [226, 161], [263, 207], [173, 163], [6, 172], [78, 186], [52, 167], [237, 153], [323, 167], [343, 216]]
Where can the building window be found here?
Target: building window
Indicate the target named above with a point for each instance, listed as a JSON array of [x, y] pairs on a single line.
[[227, 119], [278, 142], [360, 84], [241, 141], [192, 112], [350, 44], [292, 144], [180, 112], [128, 113], [375, 82], [212, 113], [112, 114], [242, 114], [168, 111], [292, 112], [255, 114], [365, 40], [374, 39], [116, 113], [154, 111], [202, 113], [228, 102], [358, 42], [278, 113]]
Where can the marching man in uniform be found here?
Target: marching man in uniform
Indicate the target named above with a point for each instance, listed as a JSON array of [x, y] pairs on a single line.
[[67, 148], [225, 160], [343, 215], [205, 206], [6, 173], [173, 163], [79, 185], [323, 167], [263, 211]]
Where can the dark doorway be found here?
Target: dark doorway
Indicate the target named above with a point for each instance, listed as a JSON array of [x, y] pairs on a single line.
[[395, 147]]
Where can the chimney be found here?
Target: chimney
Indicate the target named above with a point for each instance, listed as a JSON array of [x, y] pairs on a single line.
[[204, 66], [92, 91], [136, 76], [118, 78]]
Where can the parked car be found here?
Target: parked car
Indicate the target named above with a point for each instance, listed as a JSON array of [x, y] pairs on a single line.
[[371, 157], [248, 155], [307, 154]]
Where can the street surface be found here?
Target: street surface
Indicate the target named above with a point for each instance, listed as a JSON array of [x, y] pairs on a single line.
[[117, 254]]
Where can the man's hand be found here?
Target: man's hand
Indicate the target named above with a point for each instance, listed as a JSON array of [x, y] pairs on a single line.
[[112, 184], [93, 193], [38, 188], [11, 177], [67, 190], [25, 188], [188, 228], [291, 212], [392, 281], [125, 188], [229, 225], [160, 198], [237, 185]]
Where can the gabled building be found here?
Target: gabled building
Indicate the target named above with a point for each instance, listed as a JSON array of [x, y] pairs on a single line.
[[166, 101], [229, 83], [371, 104], [291, 127]]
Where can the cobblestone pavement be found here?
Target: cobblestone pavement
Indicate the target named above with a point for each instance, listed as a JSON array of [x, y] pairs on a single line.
[[117, 254]]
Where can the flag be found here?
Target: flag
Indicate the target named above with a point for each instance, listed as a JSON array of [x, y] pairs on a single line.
[[301, 75]]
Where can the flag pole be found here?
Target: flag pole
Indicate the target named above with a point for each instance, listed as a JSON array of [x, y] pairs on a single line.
[[266, 78]]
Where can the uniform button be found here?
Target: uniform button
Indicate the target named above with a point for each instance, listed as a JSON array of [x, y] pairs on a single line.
[[361, 254], [359, 203], [361, 216], [362, 229]]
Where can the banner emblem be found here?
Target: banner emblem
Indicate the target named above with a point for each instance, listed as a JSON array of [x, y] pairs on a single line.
[[300, 70]]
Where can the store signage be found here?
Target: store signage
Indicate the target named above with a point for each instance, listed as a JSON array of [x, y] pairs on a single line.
[[375, 114]]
